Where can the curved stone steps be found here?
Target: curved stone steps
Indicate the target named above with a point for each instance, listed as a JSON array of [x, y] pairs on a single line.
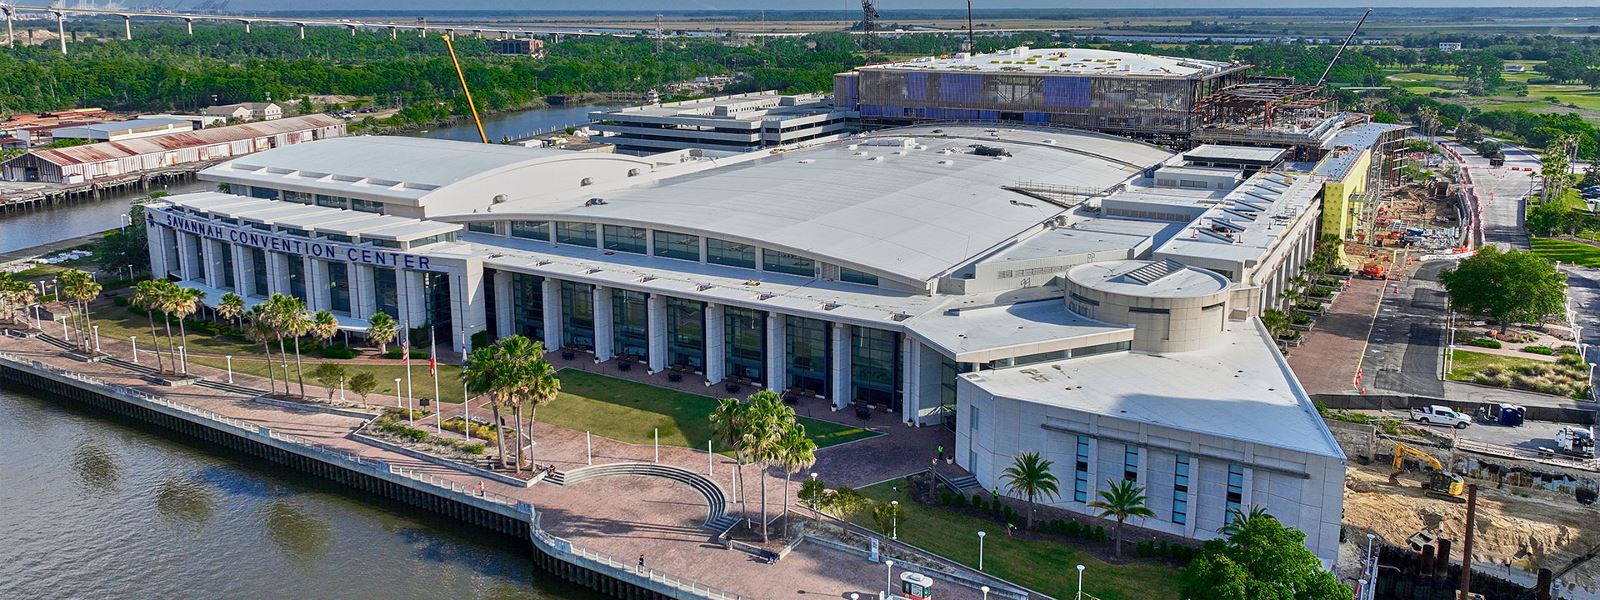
[[716, 501]]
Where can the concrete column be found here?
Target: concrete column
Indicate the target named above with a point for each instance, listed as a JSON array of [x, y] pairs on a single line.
[[277, 274], [841, 365], [604, 335], [61, 32], [911, 370], [467, 289], [127, 27], [244, 271], [504, 305], [186, 268], [352, 31], [247, 27], [364, 299], [656, 326], [1194, 499], [11, 32], [393, 33], [413, 297], [318, 295], [155, 237], [356, 293], [188, 25], [302, 30], [716, 342], [552, 314], [777, 363], [214, 264]]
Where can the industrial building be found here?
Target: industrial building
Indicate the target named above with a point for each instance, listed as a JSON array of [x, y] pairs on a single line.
[[737, 123], [1137, 95], [117, 131], [245, 111], [110, 160], [1085, 296]]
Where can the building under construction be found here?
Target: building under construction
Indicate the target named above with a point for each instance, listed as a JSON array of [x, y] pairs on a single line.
[[1135, 95]]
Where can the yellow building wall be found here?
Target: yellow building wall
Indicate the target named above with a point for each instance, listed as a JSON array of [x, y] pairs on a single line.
[[1339, 208]]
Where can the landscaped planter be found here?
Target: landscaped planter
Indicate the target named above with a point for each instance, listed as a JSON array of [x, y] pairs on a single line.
[[674, 376]]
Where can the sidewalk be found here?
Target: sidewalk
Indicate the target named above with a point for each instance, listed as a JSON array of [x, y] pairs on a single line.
[[1327, 362]]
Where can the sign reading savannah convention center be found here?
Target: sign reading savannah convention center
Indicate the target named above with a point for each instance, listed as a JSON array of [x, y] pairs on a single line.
[[287, 244]]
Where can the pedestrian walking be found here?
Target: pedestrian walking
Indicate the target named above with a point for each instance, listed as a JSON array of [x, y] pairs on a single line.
[[941, 452], [641, 563]]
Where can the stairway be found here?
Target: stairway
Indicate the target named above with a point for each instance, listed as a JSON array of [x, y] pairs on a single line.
[[716, 501]]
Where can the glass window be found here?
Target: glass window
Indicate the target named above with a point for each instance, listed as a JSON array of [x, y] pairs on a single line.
[[532, 230], [625, 239], [1080, 471], [854, 276], [296, 268], [338, 286], [382, 243], [809, 350], [386, 291], [258, 272], [745, 331], [366, 206], [677, 245], [783, 262], [527, 306], [332, 201], [577, 314], [579, 234], [225, 260], [733, 254], [686, 334], [1180, 490], [338, 237], [481, 226], [875, 366], [1235, 499], [630, 318], [1130, 462], [264, 193], [297, 197], [294, 231]]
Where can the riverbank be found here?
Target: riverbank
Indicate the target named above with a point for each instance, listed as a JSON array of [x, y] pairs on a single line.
[[383, 127], [569, 533]]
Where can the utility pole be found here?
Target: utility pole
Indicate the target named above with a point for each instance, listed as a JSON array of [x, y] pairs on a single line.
[[1466, 543], [972, 45], [658, 34], [61, 32], [869, 28], [11, 34]]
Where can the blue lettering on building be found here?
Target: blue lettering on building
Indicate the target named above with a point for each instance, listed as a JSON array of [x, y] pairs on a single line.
[[290, 245]]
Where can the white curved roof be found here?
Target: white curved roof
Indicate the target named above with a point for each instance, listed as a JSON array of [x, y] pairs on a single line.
[[914, 210], [1147, 278]]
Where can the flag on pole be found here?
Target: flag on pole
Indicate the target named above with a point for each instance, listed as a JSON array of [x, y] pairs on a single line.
[[432, 366]]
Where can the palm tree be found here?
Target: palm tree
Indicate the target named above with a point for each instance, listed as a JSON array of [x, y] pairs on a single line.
[[231, 307], [259, 330], [486, 372], [1238, 519], [539, 379], [796, 452], [147, 296], [768, 420], [16, 294], [294, 319], [1276, 321], [81, 288], [323, 326], [381, 329], [1120, 500], [1029, 476], [729, 423], [184, 302]]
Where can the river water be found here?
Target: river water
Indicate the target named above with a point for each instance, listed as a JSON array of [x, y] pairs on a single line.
[[516, 124], [94, 508]]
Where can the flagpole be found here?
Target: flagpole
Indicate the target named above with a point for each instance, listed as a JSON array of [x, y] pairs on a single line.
[[433, 366], [466, 398], [410, 416]]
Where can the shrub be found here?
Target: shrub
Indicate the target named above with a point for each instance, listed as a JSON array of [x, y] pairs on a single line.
[[1544, 350], [1100, 534], [479, 431], [338, 351], [1484, 343], [480, 339], [961, 500], [944, 498], [977, 501], [119, 301], [1074, 529]]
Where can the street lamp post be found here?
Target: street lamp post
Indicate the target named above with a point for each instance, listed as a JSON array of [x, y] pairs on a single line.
[[135, 340], [985, 590], [1369, 588], [1080, 582], [888, 580], [980, 549], [183, 355], [894, 520], [814, 514], [96, 329], [230, 368]]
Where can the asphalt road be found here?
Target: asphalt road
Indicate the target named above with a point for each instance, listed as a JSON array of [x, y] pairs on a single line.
[[1583, 301], [1531, 435], [1503, 193], [1403, 351]]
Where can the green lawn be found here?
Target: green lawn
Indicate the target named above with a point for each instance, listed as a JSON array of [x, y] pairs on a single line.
[[119, 322], [1044, 566], [1567, 252], [631, 412], [421, 384]]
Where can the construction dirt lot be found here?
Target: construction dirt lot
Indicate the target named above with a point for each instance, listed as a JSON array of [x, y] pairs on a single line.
[[1525, 529]]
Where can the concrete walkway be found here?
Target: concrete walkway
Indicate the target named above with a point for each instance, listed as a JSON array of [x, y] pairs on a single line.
[[624, 517]]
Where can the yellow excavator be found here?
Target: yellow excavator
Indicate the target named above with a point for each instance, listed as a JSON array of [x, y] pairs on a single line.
[[1441, 483]]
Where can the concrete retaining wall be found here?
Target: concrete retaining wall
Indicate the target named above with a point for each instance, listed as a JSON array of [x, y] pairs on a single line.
[[1558, 414]]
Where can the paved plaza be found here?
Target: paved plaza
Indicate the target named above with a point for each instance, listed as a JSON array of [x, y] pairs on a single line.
[[621, 516]]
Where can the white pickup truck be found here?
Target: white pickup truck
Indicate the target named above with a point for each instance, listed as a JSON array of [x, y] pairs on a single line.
[[1440, 415]]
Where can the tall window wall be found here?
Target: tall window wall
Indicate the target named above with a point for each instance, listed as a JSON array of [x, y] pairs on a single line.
[[630, 318], [258, 270], [745, 331], [686, 334], [338, 286], [386, 291], [225, 259], [1180, 490], [875, 366], [296, 267], [527, 306], [809, 351], [625, 239], [577, 314], [1080, 471]]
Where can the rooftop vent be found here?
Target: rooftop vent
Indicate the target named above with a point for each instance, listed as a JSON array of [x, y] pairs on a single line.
[[764, 296], [594, 202], [647, 279], [702, 287], [990, 151], [499, 199], [591, 271], [830, 305], [899, 316], [1154, 272]]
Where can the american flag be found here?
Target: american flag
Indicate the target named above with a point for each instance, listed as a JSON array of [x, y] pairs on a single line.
[[405, 351]]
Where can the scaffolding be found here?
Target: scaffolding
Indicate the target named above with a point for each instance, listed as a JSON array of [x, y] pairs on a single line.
[[1263, 104]]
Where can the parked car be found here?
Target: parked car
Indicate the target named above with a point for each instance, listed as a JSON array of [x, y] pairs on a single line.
[[1440, 415]]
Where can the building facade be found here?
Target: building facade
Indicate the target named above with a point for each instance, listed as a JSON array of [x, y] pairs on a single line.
[[907, 271], [117, 131], [245, 111], [738, 123]]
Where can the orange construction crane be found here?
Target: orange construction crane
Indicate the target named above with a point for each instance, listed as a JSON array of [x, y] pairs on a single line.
[[470, 104]]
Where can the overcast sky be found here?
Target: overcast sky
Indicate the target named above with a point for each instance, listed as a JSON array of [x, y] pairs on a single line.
[[679, 5]]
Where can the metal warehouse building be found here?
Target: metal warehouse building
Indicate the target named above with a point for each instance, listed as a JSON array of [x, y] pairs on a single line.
[[106, 160]]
